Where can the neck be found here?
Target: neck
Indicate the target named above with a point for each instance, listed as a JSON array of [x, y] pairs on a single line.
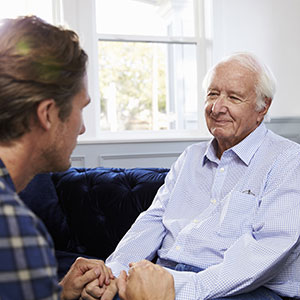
[[19, 160], [220, 148]]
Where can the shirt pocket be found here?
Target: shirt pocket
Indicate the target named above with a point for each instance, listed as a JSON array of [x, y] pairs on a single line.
[[236, 211]]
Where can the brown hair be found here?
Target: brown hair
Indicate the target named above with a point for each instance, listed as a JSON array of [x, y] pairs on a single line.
[[37, 61]]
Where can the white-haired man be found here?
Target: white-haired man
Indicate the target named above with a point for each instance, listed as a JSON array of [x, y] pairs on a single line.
[[226, 222]]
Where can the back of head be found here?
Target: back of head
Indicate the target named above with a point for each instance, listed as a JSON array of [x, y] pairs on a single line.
[[266, 82], [37, 61]]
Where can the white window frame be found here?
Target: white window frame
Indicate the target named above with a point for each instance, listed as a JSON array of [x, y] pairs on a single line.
[[80, 16]]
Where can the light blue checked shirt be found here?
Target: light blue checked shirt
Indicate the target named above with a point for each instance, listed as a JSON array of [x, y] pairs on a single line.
[[238, 218]]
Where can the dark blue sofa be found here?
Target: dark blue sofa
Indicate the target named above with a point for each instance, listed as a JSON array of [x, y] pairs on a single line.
[[87, 211]]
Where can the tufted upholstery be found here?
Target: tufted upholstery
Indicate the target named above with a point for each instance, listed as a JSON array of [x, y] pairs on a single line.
[[87, 211]]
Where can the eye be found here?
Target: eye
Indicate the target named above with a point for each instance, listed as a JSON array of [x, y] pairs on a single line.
[[235, 99], [212, 94]]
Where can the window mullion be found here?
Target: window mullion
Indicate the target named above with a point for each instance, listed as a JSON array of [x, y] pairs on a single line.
[[147, 39]]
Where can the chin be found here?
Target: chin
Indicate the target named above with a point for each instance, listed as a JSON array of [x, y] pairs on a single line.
[[66, 166], [219, 133], [61, 167]]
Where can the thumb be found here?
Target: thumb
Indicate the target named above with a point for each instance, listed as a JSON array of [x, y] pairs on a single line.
[[90, 276], [121, 284]]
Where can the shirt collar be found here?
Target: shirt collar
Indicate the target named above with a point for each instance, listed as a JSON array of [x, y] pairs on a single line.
[[245, 150], [5, 176], [210, 153]]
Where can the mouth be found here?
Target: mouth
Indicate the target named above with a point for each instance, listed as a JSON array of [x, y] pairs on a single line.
[[220, 122]]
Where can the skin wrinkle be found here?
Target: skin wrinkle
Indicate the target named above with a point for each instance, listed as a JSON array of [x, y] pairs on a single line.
[[231, 104]]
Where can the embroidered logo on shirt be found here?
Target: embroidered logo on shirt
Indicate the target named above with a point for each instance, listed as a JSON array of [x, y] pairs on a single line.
[[248, 192]]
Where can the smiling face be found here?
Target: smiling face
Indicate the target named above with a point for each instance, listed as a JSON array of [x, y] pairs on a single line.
[[230, 106]]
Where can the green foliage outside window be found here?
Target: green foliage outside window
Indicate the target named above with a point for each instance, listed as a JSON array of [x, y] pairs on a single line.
[[132, 79]]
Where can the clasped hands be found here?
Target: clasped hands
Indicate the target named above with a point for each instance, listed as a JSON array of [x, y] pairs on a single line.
[[144, 281]]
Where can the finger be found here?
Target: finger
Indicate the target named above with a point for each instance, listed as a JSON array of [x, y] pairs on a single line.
[[87, 264], [93, 289], [86, 296], [108, 295], [108, 275], [131, 267], [104, 276], [111, 275], [88, 276], [121, 284]]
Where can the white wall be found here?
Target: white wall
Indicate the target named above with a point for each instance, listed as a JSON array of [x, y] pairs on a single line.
[[128, 154], [271, 30]]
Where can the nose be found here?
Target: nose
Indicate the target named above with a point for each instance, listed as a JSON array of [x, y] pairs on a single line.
[[82, 129], [219, 105]]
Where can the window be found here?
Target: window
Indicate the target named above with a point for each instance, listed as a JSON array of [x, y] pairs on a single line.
[[148, 58]]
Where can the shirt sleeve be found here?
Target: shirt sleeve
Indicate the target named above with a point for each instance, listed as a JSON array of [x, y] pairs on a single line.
[[256, 258], [145, 236], [28, 264]]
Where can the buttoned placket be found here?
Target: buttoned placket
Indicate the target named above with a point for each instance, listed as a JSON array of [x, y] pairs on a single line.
[[219, 179]]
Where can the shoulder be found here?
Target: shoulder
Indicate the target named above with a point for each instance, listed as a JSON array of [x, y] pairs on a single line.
[[193, 152], [191, 156], [20, 220], [279, 154], [199, 147], [281, 145]]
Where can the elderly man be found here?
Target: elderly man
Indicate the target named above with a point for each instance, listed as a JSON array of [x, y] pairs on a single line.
[[43, 91], [226, 222]]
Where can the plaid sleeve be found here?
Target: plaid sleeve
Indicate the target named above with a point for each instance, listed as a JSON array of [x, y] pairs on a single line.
[[27, 261]]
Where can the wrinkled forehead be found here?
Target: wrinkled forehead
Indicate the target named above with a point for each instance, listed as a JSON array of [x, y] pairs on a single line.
[[233, 73]]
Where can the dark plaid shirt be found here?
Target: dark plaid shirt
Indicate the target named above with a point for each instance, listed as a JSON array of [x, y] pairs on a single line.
[[27, 261]]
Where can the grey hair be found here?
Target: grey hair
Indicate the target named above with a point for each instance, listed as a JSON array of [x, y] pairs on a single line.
[[266, 82]]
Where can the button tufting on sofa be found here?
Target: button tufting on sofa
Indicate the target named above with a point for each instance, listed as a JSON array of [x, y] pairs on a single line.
[[88, 210]]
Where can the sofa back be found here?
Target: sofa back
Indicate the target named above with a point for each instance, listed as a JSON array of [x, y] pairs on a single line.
[[88, 210]]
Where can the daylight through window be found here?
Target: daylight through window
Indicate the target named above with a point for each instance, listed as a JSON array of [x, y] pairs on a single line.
[[147, 65]]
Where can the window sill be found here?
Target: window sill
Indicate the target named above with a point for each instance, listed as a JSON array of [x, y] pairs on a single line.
[[145, 137]]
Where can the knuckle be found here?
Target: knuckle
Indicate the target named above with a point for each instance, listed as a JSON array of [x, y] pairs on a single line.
[[79, 258], [88, 289]]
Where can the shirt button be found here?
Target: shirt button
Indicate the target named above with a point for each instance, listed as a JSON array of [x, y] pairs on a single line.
[[2, 185], [177, 247], [196, 221], [213, 201], [222, 170]]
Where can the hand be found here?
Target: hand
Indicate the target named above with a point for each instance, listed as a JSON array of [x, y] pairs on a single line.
[[93, 291], [82, 272], [146, 281], [110, 291]]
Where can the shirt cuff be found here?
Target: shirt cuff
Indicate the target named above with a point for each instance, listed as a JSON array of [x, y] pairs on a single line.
[[187, 285], [117, 268]]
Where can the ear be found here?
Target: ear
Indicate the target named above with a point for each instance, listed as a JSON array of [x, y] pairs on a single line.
[[45, 113], [264, 111]]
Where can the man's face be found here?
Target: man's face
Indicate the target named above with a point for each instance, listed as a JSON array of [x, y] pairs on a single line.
[[230, 106], [66, 133]]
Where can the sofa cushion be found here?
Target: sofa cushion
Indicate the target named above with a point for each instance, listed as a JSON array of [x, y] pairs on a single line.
[[102, 203], [40, 196]]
